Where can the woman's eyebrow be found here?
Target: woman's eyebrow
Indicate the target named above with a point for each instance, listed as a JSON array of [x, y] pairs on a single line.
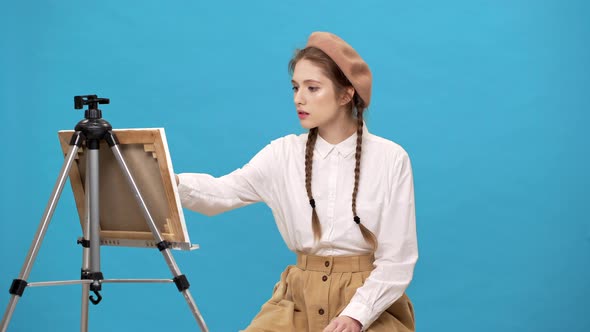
[[307, 81]]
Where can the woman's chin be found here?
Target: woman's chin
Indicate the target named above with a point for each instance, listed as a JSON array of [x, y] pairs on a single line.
[[307, 124]]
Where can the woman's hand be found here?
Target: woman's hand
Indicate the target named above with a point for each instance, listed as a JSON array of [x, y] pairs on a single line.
[[343, 324]]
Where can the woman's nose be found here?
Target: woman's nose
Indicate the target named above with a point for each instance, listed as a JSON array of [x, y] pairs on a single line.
[[298, 98]]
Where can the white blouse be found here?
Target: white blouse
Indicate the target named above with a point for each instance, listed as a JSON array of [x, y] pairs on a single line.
[[385, 205]]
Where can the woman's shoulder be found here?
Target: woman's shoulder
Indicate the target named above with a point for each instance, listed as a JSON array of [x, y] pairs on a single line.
[[385, 146], [289, 142]]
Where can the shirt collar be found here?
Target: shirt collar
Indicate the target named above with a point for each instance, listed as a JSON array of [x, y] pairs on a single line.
[[346, 148]]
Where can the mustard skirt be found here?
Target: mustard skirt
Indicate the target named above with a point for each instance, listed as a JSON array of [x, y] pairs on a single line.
[[317, 289]]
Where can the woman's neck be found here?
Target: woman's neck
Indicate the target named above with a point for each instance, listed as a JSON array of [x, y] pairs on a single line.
[[337, 132]]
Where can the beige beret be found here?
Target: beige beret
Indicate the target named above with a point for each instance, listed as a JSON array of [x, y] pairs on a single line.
[[348, 60]]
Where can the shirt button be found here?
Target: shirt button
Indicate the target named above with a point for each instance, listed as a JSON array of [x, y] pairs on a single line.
[[321, 311], [324, 278], [327, 263]]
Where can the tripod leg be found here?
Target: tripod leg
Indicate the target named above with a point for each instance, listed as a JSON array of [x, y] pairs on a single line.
[[84, 313], [85, 261], [180, 279], [19, 285], [91, 241]]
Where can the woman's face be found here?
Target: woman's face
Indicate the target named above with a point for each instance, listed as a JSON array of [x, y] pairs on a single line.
[[315, 97]]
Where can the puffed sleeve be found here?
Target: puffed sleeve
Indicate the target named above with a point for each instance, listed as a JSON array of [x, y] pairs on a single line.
[[210, 195], [397, 250]]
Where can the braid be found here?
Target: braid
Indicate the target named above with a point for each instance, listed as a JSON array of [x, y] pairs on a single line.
[[315, 221], [367, 234], [357, 158]]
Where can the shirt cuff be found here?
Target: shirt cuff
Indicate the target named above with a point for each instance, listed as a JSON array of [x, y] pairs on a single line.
[[358, 311], [184, 190]]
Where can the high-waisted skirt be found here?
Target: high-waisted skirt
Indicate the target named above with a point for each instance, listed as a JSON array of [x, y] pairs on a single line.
[[317, 289]]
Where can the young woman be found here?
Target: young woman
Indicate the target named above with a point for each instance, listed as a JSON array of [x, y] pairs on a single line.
[[342, 198]]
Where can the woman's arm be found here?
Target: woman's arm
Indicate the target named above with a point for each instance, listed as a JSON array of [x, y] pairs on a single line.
[[210, 195], [397, 250]]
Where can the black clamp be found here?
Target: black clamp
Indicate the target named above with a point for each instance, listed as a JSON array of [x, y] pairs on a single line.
[[111, 139], [163, 245], [77, 139], [95, 287], [18, 287], [181, 282], [91, 275], [85, 243]]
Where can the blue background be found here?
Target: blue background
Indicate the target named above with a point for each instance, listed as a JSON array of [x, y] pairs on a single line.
[[490, 98]]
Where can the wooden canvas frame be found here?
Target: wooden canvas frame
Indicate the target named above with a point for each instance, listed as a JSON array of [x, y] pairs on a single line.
[[122, 223]]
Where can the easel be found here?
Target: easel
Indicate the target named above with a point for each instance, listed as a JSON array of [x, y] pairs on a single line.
[[90, 132]]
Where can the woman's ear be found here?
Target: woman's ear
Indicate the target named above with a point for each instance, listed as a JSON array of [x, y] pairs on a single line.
[[347, 95]]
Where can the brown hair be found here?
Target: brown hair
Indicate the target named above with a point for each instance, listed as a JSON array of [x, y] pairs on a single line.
[[333, 72]]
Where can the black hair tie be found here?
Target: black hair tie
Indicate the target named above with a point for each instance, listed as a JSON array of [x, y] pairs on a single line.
[[312, 203], [357, 220]]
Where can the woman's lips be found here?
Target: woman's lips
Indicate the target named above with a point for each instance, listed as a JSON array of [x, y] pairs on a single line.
[[302, 115]]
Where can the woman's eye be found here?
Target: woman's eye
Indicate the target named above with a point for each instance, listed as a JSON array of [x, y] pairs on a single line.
[[295, 89], [313, 88]]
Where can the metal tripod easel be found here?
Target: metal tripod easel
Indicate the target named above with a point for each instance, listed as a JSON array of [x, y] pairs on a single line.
[[90, 132]]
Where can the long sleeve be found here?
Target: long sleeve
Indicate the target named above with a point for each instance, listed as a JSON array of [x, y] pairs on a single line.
[[397, 250], [210, 195]]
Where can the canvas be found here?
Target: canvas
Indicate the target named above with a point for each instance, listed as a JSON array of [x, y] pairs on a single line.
[[122, 223]]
